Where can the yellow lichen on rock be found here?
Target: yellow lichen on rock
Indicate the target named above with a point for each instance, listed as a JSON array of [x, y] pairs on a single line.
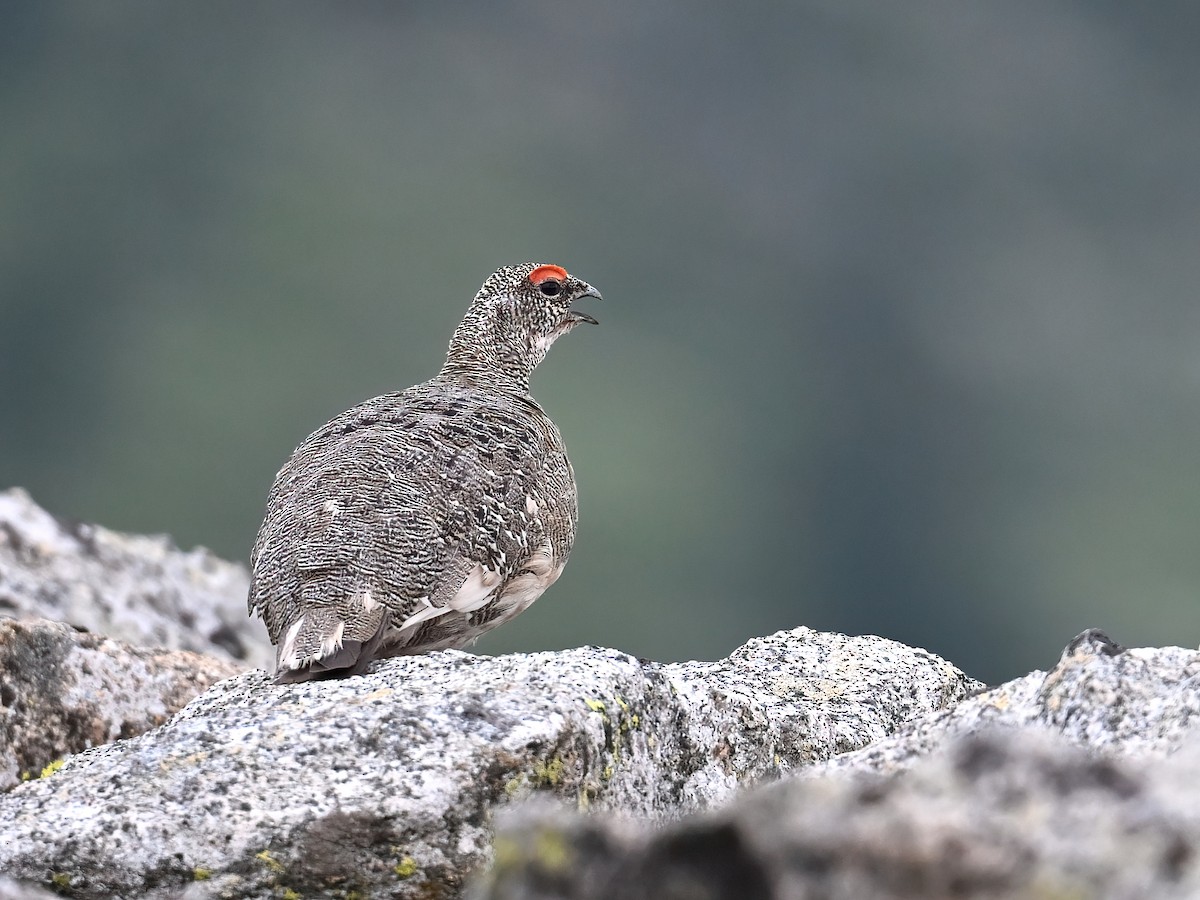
[[406, 868]]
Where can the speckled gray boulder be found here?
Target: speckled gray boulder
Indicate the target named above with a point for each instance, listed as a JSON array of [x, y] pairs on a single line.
[[386, 784], [1007, 814], [1053, 785], [1138, 702], [63, 691], [135, 588]]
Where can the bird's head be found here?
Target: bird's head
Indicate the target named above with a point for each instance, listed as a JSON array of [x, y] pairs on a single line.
[[517, 314]]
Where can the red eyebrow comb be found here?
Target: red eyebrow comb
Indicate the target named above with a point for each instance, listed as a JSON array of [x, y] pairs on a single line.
[[545, 273]]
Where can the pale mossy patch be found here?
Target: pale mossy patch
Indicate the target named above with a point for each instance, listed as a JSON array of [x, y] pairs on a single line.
[[47, 771], [552, 850], [271, 862], [545, 774], [618, 724], [406, 868], [506, 853], [549, 851], [583, 799], [548, 773]]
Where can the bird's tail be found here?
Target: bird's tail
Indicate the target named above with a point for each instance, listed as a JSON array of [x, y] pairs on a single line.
[[322, 644]]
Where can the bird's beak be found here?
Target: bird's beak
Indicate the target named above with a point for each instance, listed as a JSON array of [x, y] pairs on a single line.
[[574, 315]]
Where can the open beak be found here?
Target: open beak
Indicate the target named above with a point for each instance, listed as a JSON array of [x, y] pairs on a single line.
[[575, 316]]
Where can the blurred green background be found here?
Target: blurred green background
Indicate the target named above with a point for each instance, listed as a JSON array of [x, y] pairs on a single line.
[[901, 331]]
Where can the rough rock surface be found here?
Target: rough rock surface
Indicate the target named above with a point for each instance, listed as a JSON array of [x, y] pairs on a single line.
[[1138, 702], [63, 691], [903, 779], [387, 783], [1053, 785], [1006, 813], [135, 588], [11, 889]]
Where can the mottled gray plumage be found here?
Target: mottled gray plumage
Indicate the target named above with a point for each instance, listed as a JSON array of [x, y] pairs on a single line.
[[420, 519]]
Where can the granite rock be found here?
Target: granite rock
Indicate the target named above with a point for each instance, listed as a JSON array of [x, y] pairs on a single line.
[[803, 765], [1004, 814], [1080, 782], [135, 588], [63, 691], [386, 784], [1137, 702]]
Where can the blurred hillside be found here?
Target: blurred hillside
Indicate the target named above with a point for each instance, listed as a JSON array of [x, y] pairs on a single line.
[[900, 333]]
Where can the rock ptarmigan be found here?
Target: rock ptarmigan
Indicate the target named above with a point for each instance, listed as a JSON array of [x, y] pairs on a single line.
[[420, 519]]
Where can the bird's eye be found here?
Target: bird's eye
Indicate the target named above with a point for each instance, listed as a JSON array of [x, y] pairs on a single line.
[[550, 287]]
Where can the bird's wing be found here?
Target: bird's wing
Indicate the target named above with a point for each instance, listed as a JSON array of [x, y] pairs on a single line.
[[386, 520]]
